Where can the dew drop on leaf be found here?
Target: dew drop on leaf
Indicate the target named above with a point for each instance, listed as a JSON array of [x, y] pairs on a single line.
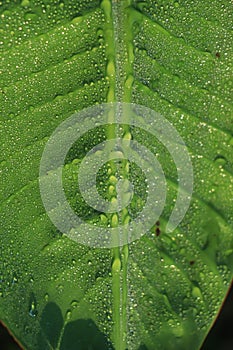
[[32, 311], [68, 315], [196, 292], [74, 304], [220, 160]]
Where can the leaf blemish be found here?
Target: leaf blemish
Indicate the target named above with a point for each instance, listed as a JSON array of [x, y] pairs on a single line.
[[158, 231]]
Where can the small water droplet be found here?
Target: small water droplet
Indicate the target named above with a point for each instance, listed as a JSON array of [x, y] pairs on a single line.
[[231, 142], [33, 311], [14, 280], [30, 16], [31, 279], [74, 304], [25, 3], [220, 160], [194, 311], [27, 330], [60, 288]]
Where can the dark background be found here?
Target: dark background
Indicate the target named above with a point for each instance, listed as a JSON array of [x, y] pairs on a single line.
[[219, 338]]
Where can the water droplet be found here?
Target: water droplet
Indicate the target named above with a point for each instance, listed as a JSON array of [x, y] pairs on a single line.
[[220, 160], [114, 220], [194, 311], [231, 142], [202, 275], [60, 288], [14, 280], [116, 266], [33, 311], [30, 16], [68, 315], [27, 330], [196, 293], [74, 304], [25, 3], [103, 219]]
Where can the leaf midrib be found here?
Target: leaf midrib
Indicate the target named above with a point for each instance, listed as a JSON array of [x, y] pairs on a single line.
[[118, 24]]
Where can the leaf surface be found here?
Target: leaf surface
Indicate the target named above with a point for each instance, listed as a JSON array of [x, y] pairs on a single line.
[[164, 290]]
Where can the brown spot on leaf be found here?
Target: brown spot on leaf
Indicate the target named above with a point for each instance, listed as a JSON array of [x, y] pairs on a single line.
[[157, 231]]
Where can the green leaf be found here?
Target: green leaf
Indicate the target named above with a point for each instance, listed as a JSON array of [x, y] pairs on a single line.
[[164, 290]]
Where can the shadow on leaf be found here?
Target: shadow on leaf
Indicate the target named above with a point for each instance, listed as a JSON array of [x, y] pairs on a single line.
[[51, 324], [84, 335], [80, 334]]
